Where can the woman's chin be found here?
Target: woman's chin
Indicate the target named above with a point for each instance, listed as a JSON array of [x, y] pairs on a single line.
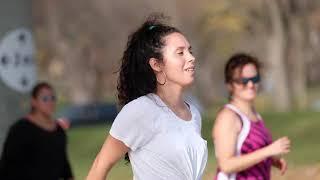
[[251, 98], [188, 84]]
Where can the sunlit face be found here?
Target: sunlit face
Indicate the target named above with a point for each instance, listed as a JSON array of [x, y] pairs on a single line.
[[44, 102], [179, 63], [247, 91]]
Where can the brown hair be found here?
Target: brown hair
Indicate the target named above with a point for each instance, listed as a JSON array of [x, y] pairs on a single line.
[[238, 61]]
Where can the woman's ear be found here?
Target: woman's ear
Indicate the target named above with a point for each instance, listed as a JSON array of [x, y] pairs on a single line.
[[33, 102], [155, 64], [230, 87]]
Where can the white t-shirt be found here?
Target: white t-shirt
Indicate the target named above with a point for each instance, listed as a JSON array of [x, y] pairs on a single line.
[[162, 145]]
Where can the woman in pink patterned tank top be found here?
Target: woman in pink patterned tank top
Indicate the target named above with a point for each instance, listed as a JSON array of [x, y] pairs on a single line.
[[243, 145]]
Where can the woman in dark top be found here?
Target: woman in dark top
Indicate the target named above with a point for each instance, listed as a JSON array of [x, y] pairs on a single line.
[[35, 147]]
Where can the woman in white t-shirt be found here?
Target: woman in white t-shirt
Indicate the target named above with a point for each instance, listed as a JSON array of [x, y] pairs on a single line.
[[157, 128]]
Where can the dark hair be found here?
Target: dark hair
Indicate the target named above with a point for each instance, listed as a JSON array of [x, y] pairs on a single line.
[[36, 90], [237, 62], [136, 77]]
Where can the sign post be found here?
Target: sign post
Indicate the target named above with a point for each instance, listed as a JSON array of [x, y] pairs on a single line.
[[17, 62]]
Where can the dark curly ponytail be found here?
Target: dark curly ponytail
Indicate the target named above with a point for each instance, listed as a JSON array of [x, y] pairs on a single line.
[[136, 77]]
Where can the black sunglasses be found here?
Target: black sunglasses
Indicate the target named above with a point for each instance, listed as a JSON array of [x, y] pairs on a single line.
[[256, 79], [51, 98]]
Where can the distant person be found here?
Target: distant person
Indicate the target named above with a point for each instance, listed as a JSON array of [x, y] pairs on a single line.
[[36, 145], [160, 131], [243, 145]]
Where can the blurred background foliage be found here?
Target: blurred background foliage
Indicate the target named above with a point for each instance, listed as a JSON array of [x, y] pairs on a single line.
[[80, 43]]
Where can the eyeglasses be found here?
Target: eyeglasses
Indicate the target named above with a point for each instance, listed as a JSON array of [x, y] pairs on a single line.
[[45, 99], [244, 81]]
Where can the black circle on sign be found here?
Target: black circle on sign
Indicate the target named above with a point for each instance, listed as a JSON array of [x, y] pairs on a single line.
[[4, 60], [24, 81], [26, 60], [22, 38]]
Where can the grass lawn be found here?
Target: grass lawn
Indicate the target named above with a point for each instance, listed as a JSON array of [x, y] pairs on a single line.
[[303, 128]]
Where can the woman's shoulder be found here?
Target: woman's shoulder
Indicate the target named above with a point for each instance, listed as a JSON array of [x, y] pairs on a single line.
[[140, 108], [227, 121], [141, 103], [21, 123], [20, 128], [226, 115]]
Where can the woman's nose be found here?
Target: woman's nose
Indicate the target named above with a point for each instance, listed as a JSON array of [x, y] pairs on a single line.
[[250, 84], [191, 57]]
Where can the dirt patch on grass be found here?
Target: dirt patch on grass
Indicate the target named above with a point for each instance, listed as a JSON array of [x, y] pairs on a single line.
[[310, 172]]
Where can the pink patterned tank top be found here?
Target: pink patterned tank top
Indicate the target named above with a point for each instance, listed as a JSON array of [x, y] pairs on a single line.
[[253, 136]]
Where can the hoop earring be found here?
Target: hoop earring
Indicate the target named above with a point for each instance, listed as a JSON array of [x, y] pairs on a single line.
[[165, 79]]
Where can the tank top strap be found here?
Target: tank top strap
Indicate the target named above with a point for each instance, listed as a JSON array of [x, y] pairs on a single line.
[[259, 116], [237, 111], [246, 125]]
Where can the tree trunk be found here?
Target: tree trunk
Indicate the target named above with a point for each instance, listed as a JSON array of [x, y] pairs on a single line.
[[297, 61], [276, 72]]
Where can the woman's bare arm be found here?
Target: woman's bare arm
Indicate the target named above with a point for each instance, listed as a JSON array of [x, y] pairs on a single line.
[[111, 152]]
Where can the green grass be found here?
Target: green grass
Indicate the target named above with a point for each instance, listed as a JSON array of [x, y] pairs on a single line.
[[303, 128], [84, 144]]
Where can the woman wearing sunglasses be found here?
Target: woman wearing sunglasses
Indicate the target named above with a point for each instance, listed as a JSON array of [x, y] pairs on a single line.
[[35, 147], [243, 145]]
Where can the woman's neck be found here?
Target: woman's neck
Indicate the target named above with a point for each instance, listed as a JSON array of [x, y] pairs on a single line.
[[172, 96], [245, 106], [42, 120]]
